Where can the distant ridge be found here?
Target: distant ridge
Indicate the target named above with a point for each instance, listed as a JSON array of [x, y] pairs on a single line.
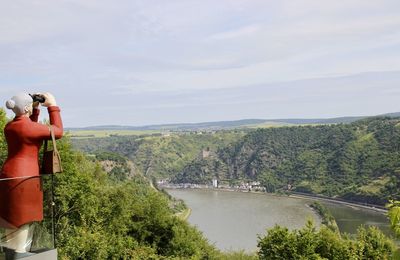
[[218, 125]]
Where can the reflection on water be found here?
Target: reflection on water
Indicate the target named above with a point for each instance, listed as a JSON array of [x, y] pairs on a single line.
[[350, 218], [232, 220]]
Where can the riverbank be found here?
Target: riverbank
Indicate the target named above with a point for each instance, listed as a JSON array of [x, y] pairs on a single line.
[[185, 214], [341, 202], [327, 218]]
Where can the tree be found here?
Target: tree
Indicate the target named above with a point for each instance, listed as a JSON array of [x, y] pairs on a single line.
[[394, 216], [269, 181], [310, 243], [98, 218], [3, 146], [279, 244]]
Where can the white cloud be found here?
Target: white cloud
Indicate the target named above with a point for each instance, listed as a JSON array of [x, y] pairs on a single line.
[[148, 47], [236, 33]]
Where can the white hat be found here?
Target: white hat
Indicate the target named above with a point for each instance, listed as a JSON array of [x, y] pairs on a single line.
[[19, 102]]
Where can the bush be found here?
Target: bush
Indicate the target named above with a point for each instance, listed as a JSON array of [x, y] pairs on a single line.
[[309, 243]]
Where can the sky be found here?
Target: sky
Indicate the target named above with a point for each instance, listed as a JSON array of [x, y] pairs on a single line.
[[131, 62]]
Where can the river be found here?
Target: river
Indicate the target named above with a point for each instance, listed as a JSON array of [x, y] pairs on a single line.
[[232, 220]]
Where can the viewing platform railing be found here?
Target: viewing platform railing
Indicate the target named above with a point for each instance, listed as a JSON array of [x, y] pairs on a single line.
[[40, 240]]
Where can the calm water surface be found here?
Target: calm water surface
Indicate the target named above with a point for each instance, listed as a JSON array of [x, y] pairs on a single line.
[[232, 220], [350, 218]]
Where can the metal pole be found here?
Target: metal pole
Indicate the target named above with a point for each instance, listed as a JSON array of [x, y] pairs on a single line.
[[53, 227]]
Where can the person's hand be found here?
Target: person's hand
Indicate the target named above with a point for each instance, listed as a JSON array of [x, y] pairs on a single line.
[[49, 100]]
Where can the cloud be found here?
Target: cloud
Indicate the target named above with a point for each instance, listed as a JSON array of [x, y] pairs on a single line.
[[154, 55], [236, 33], [360, 94]]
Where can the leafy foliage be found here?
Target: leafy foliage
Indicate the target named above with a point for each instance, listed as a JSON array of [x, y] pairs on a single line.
[[327, 217], [394, 216], [310, 243], [117, 166], [3, 146], [98, 218]]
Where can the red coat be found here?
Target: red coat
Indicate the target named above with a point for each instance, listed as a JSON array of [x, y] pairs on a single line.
[[21, 200]]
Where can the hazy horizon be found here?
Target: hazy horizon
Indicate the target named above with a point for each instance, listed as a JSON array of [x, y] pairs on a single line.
[[242, 119]]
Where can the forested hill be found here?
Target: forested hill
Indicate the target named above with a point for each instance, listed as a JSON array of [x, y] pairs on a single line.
[[159, 156], [358, 161]]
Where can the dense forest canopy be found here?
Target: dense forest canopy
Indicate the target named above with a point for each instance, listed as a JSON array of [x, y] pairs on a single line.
[[358, 161]]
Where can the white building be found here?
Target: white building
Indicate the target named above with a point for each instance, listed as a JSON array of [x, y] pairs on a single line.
[[215, 183]]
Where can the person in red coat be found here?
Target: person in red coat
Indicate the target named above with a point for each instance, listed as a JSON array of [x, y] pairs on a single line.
[[21, 195]]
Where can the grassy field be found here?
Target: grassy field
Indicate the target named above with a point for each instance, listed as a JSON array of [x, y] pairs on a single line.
[[268, 125], [107, 133]]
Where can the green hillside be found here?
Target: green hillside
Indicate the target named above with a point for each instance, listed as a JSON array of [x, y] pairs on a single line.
[[358, 161], [159, 156]]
